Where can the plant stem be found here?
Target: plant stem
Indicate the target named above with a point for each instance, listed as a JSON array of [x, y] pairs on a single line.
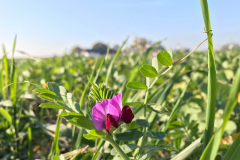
[[145, 105], [100, 144], [142, 140], [118, 149], [210, 110], [29, 142]]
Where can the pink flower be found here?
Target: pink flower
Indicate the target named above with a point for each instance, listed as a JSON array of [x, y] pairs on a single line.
[[110, 112]]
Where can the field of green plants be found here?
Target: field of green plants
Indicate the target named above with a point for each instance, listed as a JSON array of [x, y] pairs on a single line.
[[174, 105]]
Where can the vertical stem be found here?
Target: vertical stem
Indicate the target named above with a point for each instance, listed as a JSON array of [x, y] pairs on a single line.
[[100, 144], [29, 143], [142, 140], [79, 139], [15, 126], [145, 105], [210, 110], [73, 137], [118, 149]]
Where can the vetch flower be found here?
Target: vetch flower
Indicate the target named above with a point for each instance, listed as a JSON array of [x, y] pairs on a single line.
[[110, 112]]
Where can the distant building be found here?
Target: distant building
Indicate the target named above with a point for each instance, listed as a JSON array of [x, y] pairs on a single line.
[[97, 50]]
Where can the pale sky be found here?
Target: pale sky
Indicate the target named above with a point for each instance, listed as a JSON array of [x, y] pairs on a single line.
[[46, 27]]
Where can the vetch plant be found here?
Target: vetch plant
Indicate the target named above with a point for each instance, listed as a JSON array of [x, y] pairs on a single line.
[[110, 113], [148, 114]]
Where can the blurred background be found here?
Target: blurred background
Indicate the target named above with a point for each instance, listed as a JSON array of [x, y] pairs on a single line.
[[46, 28], [66, 42]]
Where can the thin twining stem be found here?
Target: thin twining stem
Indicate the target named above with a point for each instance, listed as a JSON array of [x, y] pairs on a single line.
[[178, 62]]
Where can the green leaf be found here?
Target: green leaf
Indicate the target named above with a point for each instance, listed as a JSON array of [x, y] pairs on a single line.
[[132, 104], [64, 106], [13, 76], [157, 147], [67, 98], [6, 70], [82, 122], [2, 81], [142, 123], [157, 108], [50, 97], [129, 136], [90, 137], [137, 85], [94, 134], [155, 134], [127, 148], [56, 157], [148, 71], [48, 105], [6, 115], [131, 125], [148, 154], [41, 90], [177, 142], [71, 115], [233, 152], [164, 58]]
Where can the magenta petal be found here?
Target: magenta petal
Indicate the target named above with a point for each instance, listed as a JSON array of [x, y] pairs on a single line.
[[116, 106], [108, 124], [99, 114], [112, 110], [114, 123], [127, 115]]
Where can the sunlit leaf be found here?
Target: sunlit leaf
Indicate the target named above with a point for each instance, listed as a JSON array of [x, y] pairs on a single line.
[[164, 58]]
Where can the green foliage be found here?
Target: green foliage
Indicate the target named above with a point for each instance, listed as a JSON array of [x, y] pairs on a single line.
[[82, 122], [129, 136], [164, 58], [6, 115], [132, 103], [93, 134], [127, 148], [148, 71], [155, 134], [99, 93], [210, 151], [137, 85], [142, 123], [210, 111], [169, 107], [55, 148]]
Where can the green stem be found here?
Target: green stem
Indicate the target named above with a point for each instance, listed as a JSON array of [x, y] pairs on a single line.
[[145, 105], [73, 137], [15, 126], [142, 140], [29, 142], [100, 144], [210, 110], [79, 139], [118, 149]]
